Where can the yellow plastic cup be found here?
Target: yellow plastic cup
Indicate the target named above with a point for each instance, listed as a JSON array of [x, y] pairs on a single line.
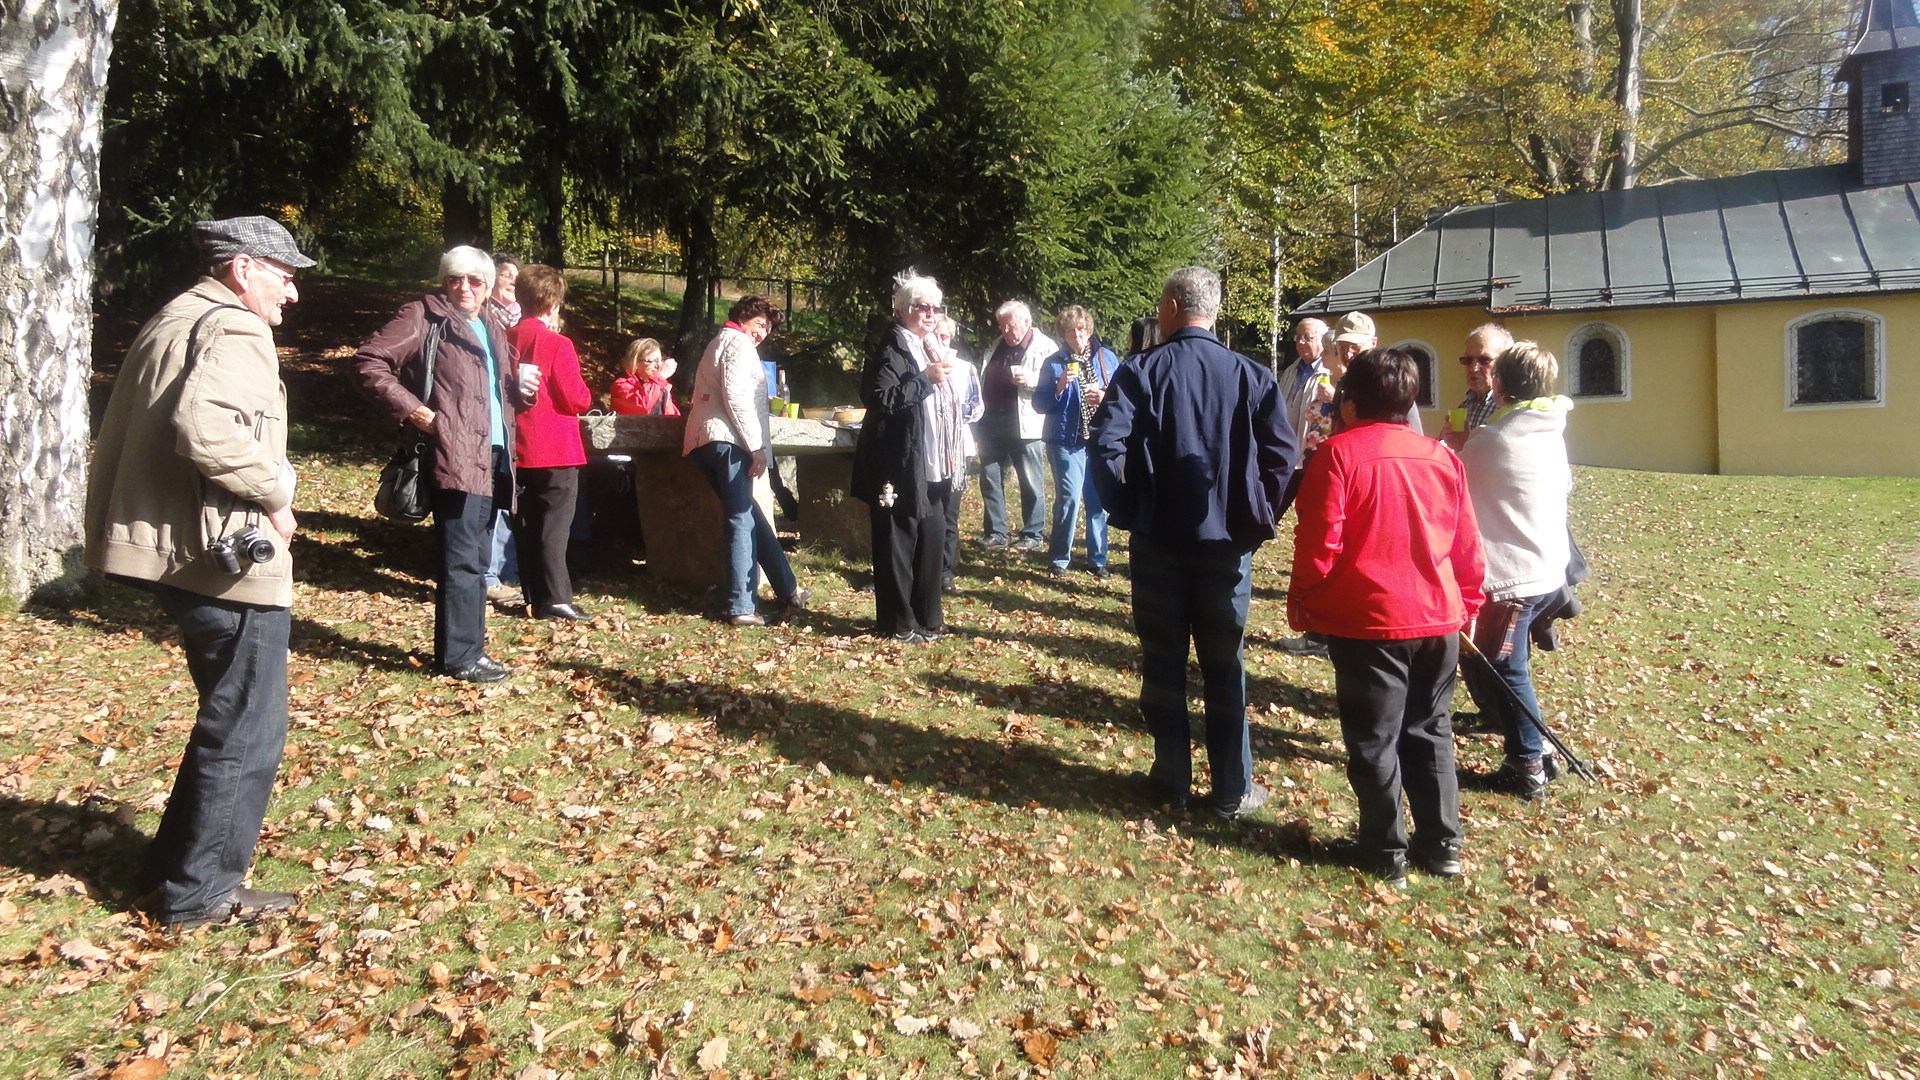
[[1457, 420]]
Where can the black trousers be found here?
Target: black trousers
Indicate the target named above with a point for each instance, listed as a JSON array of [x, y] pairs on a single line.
[[909, 556], [1394, 699], [541, 529], [237, 654], [460, 593]]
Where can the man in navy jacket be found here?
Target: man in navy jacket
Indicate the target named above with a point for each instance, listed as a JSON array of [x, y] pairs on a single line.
[[1192, 451]]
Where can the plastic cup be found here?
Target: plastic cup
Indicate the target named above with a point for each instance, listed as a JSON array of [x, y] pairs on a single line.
[[1457, 420]]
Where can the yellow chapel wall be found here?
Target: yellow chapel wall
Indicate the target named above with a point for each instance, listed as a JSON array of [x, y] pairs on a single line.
[[1761, 435], [1667, 420]]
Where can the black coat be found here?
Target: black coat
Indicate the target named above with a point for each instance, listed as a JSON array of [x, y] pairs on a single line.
[[889, 449]]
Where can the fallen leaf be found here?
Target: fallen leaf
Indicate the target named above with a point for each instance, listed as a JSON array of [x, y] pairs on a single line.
[[713, 1055]]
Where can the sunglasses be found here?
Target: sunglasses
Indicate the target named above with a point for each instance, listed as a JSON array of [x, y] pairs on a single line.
[[471, 281], [924, 308], [1470, 361]]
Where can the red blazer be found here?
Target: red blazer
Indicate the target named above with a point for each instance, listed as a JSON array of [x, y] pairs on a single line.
[[547, 435], [633, 396], [1386, 546]]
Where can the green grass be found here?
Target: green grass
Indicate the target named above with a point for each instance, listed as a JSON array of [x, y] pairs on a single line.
[[836, 852]]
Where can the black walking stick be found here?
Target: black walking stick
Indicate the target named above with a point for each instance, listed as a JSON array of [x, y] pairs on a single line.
[[1578, 767]]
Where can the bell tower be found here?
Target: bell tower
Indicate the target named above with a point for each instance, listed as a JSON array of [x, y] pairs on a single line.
[[1882, 73]]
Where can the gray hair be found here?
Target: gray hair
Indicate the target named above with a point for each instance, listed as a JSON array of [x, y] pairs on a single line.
[[1195, 290], [465, 260], [1526, 371], [1014, 307], [1497, 337], [911, 287]]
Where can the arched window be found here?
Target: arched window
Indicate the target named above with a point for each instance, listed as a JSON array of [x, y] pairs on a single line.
[[1596, 362], [1423, 356], [1835, 358]]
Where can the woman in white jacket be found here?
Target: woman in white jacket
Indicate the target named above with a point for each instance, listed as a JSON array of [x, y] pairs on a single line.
[[1518, 477], [729, 439]]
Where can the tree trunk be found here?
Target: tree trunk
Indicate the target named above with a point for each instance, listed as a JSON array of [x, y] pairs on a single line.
[[699, 258], [464, 217], [1627, 22], [1583, 149], [53, 78], [553, 212]]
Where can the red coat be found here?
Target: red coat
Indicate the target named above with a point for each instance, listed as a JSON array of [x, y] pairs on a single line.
[[1386, 546], [548, 433], [634, 396]]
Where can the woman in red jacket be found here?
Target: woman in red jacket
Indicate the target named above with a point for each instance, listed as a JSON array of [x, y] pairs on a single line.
[[547, 444], [1386, 564]]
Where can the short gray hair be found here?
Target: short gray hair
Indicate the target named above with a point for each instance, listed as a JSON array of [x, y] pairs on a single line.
[[465, 260], [1195, 290], [910, 287], [1014, 307], [1498, 337]]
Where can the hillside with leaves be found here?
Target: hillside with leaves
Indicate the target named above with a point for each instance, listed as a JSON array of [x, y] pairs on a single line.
[[670, 848]]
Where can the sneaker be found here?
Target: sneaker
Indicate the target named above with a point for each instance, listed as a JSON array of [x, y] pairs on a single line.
[[994, 542], [1056, 571], [746, 619], [1025, 544], [1304, 645], [1256, 797], [1391, 870], [799, 600], [504, 593], [1526, 778], [1550, 766], [1442, 861], [1100, 573], [241, 905]]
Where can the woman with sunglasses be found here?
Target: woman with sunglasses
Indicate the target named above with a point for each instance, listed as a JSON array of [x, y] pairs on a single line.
[[467, 414], [910, 451]]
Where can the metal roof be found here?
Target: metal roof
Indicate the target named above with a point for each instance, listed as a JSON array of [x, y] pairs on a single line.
[[1762, 236], [1885, 25]]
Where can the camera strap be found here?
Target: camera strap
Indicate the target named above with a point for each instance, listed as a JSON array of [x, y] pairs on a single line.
[[207, 529]]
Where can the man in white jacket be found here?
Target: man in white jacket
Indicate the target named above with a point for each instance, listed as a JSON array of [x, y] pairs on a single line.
[[1010, 431]]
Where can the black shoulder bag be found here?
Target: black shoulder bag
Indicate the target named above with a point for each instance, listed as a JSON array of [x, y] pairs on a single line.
[[406, 485]]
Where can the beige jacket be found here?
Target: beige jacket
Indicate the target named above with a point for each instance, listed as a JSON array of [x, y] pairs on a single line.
[[180, 461], [729, 396]]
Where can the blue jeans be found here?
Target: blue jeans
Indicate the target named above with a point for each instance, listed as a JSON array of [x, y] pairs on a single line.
[[1000, 447], [1071, 484], [237, 654], [749, 536], [1502, 622], [1178, 598], [503, 563]]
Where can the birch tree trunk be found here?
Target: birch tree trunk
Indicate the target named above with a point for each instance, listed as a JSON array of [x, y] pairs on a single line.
[[53, 78], [1628, 23]]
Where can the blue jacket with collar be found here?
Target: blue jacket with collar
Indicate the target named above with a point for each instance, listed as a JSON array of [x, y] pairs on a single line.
[[1192, 447]]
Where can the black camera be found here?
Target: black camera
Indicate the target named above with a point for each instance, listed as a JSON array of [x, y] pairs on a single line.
[[245, 546]]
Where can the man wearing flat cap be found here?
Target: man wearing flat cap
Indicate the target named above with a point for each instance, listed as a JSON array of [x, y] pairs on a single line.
[[191, 498]]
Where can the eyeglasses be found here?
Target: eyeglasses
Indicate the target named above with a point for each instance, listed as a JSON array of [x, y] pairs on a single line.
[[924, 308], [1471, 361], [285, 276], [471, 281]]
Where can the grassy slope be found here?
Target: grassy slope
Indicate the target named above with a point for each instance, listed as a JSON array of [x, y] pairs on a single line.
[[845, 857]]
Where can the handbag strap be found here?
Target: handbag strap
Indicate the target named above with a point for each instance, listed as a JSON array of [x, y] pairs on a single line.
[[435, 328]]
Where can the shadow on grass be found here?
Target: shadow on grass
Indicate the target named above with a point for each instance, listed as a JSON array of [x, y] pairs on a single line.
[[83, 841]]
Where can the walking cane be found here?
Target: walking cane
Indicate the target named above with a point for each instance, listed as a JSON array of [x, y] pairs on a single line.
[[1574, 764]]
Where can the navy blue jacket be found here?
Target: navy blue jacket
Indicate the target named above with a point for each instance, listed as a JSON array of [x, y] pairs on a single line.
[[1192, 447]]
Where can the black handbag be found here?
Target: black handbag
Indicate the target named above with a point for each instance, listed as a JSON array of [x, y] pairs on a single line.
[[406, 483]]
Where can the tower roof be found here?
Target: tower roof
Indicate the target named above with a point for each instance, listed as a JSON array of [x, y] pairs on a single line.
[[1885, 25]]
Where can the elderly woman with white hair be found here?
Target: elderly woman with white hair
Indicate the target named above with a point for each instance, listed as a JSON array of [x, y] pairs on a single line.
[[442, 367], [911, 451]]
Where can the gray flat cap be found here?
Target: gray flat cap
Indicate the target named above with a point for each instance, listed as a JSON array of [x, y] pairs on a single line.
[[261, 237]]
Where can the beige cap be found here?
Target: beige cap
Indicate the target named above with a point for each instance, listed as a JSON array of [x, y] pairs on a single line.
[[1356, 327]]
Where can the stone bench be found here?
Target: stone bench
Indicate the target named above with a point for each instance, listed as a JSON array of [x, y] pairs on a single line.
[[680, 515]]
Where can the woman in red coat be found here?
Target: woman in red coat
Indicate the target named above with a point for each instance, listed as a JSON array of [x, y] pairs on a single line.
[[547, 444]]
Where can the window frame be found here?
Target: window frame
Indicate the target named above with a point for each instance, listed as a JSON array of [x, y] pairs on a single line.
[[1433, 380], [1622, 358], [1876, 358]]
